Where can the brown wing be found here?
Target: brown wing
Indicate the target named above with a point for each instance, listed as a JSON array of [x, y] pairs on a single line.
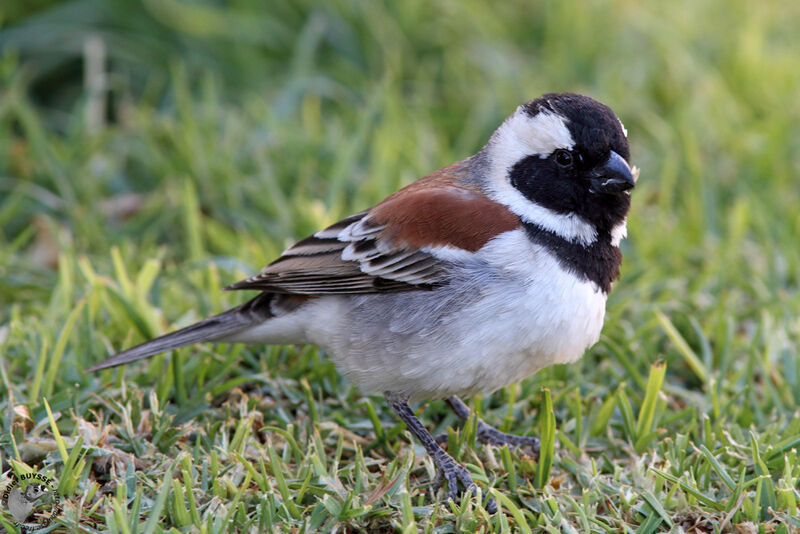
[[392, 247], [347, 258]]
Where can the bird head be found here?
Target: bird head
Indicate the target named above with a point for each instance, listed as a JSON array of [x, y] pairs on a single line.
[[35, 491], [562, 162]]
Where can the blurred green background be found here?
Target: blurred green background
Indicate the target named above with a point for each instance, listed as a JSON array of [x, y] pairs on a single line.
[[151, 152]]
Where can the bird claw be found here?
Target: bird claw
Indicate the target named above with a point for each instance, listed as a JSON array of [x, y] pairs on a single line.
[[490, 435], [436, 485], [447, 469]]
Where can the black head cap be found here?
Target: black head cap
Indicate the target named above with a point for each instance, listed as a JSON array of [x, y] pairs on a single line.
[[592, 124]]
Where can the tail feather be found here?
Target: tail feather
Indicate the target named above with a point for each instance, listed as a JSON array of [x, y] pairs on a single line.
[[211, 329]]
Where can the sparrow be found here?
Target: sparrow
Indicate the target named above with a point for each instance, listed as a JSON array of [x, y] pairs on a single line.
[[22, 502], [467, 280]]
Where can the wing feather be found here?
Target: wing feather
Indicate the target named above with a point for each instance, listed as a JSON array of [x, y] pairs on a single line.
[[347, 259], [392, 247]]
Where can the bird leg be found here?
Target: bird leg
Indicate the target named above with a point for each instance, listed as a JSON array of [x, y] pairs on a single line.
[[447, 468], [489, 434]]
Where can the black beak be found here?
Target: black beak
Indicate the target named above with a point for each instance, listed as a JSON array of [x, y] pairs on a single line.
[[612, 176]]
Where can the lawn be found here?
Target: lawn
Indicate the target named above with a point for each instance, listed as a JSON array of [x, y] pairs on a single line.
[[209, 138]]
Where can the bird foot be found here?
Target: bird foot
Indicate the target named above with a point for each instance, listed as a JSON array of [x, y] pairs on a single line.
[[447, 469], [489, 435]]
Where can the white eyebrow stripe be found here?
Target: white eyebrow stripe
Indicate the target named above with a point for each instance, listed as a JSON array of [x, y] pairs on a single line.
[[521, 136], [544, 133]]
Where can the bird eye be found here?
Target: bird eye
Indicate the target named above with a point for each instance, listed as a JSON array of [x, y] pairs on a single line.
[[563, 158]]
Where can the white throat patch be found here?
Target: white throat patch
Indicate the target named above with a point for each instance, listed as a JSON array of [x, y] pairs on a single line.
[[521, 136]]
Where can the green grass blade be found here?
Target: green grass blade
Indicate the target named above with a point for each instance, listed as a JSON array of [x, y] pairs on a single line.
[[547, 437], [692, 360]]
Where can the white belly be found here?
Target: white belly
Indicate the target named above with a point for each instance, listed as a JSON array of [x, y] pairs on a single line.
[[510, 314]]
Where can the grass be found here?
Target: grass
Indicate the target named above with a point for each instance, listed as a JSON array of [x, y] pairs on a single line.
[[238, 130]]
